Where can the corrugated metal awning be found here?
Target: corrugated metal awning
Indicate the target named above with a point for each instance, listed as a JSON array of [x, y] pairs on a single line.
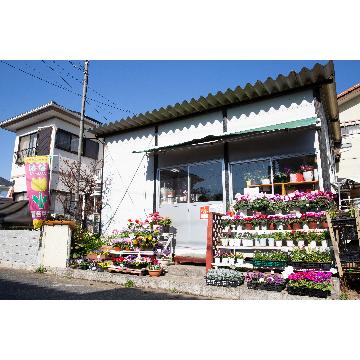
[[215, 139], [319, 74]]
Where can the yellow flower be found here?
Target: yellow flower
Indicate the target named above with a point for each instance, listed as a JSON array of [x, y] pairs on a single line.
[[39, 184], [37, 223]]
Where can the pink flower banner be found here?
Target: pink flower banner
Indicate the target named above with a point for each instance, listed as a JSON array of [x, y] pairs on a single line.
[[37, 174]]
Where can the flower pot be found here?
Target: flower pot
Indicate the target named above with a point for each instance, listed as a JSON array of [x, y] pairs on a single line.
[[287, 227], [308, 175], [263, 242], [257, 227], [296, 226], [324, 244], [249, 227], [231, 242], [225, 261], [224, 242], [289, 243], [257, 242], [280, 227], [301, 243], [248, 242], [265, 181], [271, 226], [240, 227], [240, 261], [278, 243], [312, 244], [116, 248], [324, 225], [231, 261], [296, 177], [237, 242], [165, 228], [305, 226], [263, 227], [271, 242], [312, 224], [217, 261], [155, 273]]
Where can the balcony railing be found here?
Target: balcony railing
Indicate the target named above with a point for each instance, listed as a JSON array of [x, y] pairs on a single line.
[[22, 154]]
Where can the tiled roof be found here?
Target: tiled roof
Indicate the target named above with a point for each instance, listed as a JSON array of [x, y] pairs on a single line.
[[349, 90], [319, 74]]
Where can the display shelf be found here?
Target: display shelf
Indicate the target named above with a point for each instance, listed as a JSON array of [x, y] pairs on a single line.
[[271, 231], [243, 266], [134, 252], [284, 185], [282, 248]]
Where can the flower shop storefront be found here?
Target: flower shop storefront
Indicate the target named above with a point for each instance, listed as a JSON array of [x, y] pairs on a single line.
[[187, 190]]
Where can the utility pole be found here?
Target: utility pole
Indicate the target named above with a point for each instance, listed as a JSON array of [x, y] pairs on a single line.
[[81, 135]]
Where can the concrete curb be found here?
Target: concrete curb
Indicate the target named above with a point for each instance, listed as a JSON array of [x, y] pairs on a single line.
[[186, 286]]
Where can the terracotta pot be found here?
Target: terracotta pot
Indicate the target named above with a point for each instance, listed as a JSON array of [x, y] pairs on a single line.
[[296, 226], [287, 227], [271, 226], [249, 227], [312, 224], [324, 225], [116, 248], [155, 273]]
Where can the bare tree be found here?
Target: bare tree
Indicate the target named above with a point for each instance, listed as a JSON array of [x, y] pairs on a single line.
[[88, 185]]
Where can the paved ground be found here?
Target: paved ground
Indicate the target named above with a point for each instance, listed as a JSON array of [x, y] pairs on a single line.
[[26, 285]]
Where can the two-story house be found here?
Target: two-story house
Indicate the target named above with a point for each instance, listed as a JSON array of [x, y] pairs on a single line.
[[51, 130]]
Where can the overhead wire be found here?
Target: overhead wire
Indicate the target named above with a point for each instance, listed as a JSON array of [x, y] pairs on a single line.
[[51, 68]]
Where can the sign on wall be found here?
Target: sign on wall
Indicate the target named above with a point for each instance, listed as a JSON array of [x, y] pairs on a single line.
[[37, 185], [204, 212]]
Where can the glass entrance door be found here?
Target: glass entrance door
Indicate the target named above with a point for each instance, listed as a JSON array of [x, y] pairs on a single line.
[[183, 191]]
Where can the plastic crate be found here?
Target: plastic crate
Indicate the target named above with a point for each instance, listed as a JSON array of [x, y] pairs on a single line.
[[269, 264], [310, 265], [304, 291], [267, 287]]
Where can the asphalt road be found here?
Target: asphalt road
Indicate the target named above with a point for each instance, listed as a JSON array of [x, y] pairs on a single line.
[[26, 285]]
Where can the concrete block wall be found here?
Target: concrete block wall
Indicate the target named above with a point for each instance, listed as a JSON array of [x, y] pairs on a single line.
[[19, 248]]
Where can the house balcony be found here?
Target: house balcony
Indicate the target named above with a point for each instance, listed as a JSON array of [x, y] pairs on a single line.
[[22, 154]]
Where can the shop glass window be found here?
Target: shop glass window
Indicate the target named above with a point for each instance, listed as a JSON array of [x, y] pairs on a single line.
[[206, 182], [251, 175], [174, 185]]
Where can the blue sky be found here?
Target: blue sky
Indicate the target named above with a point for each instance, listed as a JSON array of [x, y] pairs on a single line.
[[136, 86]]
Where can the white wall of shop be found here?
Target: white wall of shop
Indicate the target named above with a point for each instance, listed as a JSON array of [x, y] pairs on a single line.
[[350, 110], [125, 170], [285, 108]]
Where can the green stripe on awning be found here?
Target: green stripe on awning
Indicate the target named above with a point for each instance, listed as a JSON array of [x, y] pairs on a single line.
[[225, 136]]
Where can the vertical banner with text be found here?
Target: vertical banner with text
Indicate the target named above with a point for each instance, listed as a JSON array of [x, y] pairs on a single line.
[[37, 174]]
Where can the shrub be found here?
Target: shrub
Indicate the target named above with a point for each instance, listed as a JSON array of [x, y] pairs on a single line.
[[83, 242]]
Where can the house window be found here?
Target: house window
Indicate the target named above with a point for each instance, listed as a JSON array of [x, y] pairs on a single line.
[[276, 175], [191, 183], [27, 147], [70, 142]]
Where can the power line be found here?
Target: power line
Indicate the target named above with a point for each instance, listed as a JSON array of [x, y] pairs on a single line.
[[117, 106], [80, 68], [51, 68], [59, 86]]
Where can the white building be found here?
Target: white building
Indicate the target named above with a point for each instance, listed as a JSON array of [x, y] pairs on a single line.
[[349, 113], [200, 153], [51, 130]]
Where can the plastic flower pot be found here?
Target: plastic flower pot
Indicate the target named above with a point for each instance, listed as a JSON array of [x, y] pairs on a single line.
[[296, 177], [225, 261], [280, 227], [278, 243], [262, 242], [287, 227], [296, 226], [305, 226], [289, 243], [116, 248], [217, 261], [248, 242], [271, 242], [257, 242], [324, 225], [231, 242], [240, 261], [249, 227], [257, 227], [271, 226], [240, 227], [301, 243], [312, 224], [237, 242], [308, 175], [324, 243], [224, 242], [231, 261]]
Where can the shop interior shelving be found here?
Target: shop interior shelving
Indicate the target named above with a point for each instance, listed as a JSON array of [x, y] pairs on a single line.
[[284, 185]]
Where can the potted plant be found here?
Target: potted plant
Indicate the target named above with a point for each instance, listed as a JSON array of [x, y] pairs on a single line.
[[224, 277], [269, 282], [224, 241], [279, 237], [154, 270], [231, 259], [310, 259], [272, 259], [308, 172], [296, 177], [225, 258], [310, 283], [217, 260], [247, 240], [271, 241]]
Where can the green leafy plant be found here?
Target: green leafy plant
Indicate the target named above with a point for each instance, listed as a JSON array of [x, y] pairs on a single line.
[[83, 242], [41, 269], [271, 256], [129, 284]]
